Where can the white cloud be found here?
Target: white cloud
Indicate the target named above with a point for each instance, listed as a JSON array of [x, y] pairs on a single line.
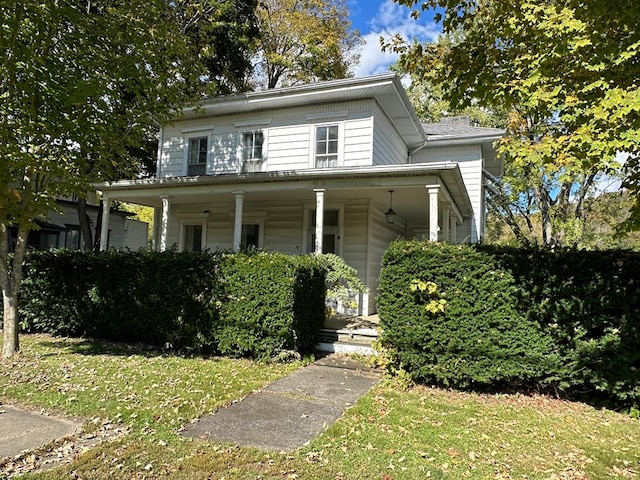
[[391, 19]]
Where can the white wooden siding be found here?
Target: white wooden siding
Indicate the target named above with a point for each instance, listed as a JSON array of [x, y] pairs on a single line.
[[388, 146], [469, 160], [288, 147], [288, 142], [381, 234], [354, 237], [358, 142]]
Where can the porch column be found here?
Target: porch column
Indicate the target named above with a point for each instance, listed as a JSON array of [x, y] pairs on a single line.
[[164, 223], [104, 228], [453, 219], [319, 218], [446, 218], [433, 213], [237, 226], [157, 220]]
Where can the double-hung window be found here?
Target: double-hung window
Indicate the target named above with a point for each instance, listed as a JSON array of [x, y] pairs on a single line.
[[252, 145], [252, 151], [326, 146], [197, 159]]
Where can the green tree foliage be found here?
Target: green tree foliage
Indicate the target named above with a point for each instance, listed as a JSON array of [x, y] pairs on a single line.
[[428, 96], [303, 41], [80, 83], [567, 71], [221, 34]]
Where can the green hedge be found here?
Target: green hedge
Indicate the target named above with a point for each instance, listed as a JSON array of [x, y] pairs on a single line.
[[197, 302], [271, 303], [563, 320]]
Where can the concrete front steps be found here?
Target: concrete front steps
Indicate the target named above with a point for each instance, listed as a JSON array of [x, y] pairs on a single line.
[[348, 334]]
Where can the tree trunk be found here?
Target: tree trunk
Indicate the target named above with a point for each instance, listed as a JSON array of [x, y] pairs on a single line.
[[84, 223], [10, 279], [11, 344], [96, 240]]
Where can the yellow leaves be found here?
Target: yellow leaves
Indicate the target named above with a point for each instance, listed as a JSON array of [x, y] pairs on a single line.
[[419, 285], [435, 304]]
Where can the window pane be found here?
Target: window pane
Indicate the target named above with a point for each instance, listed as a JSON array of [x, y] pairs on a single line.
[[321, 133], [250, 236], [192, 238], [198, 151], [252, 145], [329, 219], [333, 132]]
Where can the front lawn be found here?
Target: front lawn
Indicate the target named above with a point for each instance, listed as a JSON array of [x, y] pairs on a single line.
[[389, 434]]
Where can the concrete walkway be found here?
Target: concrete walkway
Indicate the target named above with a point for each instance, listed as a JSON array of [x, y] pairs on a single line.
[[25, 430], [291, 411]]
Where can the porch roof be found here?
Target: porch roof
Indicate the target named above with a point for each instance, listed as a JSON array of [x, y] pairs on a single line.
[[371, 181]]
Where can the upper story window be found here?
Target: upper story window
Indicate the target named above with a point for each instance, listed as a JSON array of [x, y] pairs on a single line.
[[197, 159], [326, 146], [252, 145], [252, 151]]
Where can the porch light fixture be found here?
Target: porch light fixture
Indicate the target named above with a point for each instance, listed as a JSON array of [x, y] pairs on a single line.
[[390, 214]]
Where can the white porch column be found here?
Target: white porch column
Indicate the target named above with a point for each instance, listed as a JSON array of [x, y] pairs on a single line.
[[433, 213], [319, 218], [453, 233], [104, 228], [157, 220], [446, 219], [164, 223], [237, 226]]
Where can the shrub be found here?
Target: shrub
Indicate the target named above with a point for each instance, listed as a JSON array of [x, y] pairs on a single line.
[[236, 304], [156, 298], [471, 335], [564, 320], [271, 303]]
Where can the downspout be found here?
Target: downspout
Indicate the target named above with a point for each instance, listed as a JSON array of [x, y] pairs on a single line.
[[417, 149]]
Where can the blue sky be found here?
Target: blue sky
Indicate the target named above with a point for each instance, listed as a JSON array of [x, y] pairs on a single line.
[[376, 18]]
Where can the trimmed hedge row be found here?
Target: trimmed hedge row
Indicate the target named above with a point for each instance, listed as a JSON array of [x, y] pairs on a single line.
[[560, 320], [236, 304]]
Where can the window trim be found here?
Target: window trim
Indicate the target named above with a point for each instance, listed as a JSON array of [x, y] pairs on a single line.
[[313, 144], [193, 219], [187, 152], [255, 161]]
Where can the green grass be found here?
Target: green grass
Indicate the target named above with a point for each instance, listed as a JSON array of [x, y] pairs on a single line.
[[391, 433]]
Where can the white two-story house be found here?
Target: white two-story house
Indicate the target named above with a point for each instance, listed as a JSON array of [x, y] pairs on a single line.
[[343, 166]]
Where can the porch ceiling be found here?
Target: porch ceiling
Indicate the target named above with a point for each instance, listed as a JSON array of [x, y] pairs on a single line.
[[410, 198]]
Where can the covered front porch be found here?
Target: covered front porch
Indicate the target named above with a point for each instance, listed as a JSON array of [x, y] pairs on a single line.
[[342, 211]]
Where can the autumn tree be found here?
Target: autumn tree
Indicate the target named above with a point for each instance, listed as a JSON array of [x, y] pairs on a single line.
[[303, 41], [80, 83], [567, 71], [218, 37]]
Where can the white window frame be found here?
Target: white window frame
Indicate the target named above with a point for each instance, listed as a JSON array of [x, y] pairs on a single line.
[[340, 146], [193, 219], [251, 161], [187, 150]]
